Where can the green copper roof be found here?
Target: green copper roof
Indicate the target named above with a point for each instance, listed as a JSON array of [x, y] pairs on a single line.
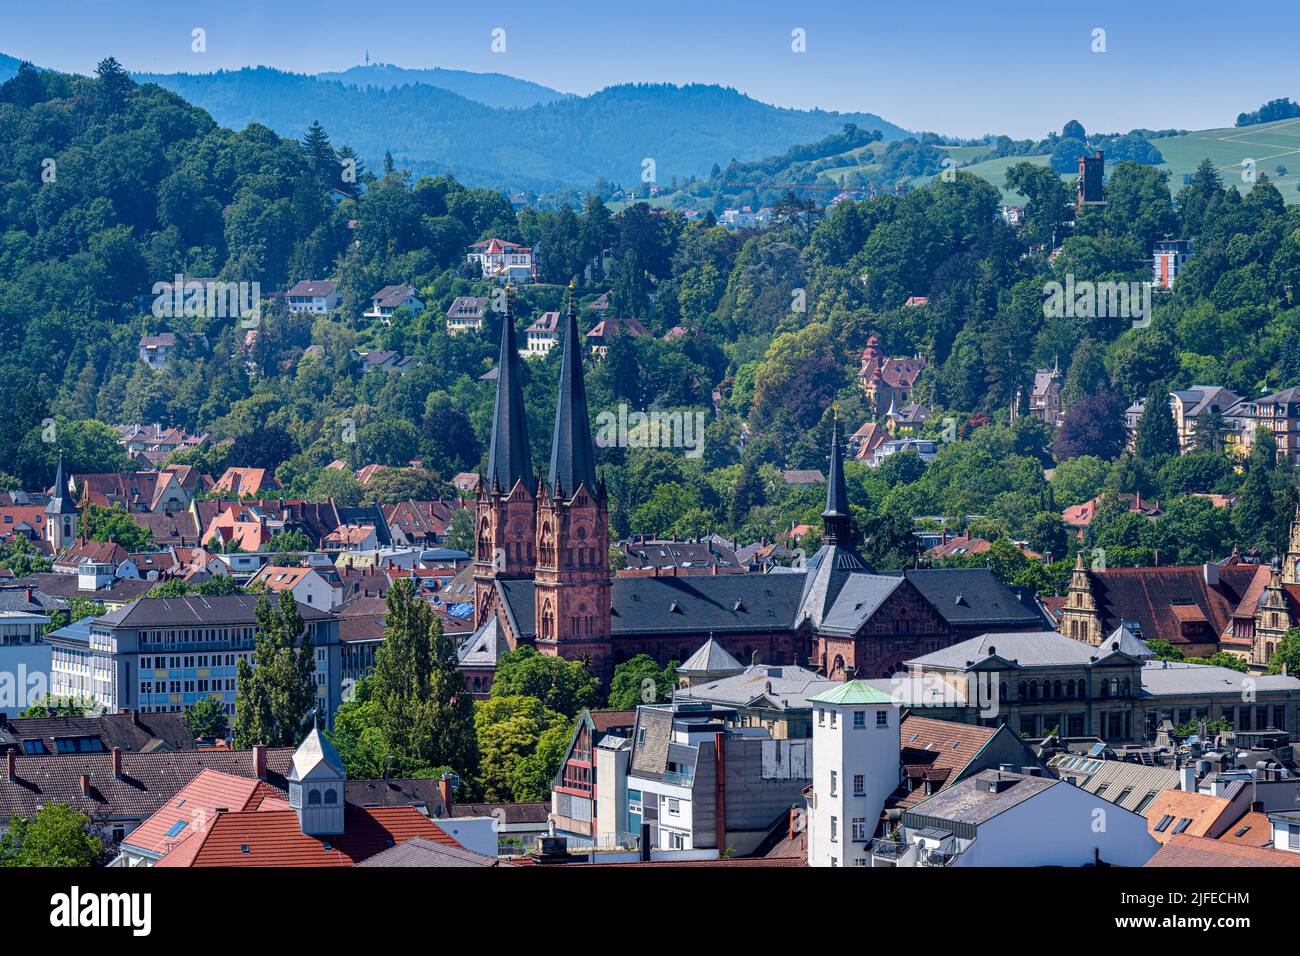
[[852, 692]]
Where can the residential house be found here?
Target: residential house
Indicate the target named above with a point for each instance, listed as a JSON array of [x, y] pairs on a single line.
[[153, 443], [575, 794], [1045, 397], [240, 482], [888, 382], [923, 448], [698, 783], [314, 295], [644, 554], [466, 314], [305, 584], [604, 332], [155, 350], [1167, 261], [499, 260], [1004, 818], [543, 335], [351, 537], [391, 298]]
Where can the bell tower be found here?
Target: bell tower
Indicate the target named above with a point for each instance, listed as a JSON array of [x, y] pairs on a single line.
[[1080, 618], [61, 514], [572, 582], [506, 510]]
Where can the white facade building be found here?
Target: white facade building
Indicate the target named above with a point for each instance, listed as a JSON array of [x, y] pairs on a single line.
[[856, 767]]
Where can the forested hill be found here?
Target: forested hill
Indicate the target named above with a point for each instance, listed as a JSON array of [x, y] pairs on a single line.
[[8, 67], [490, 89], [571, 141]]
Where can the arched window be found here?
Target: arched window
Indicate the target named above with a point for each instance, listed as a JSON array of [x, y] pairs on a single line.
[[1022, 690], [1056, 690], [331, 796], [313, 798], [1105, 688], [1033, 690], [1069, 688]]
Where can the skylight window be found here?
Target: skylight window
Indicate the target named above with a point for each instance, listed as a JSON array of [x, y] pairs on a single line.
[[176, 828]]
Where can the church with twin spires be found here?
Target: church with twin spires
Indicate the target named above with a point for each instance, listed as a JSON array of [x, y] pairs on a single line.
[[542, 574]]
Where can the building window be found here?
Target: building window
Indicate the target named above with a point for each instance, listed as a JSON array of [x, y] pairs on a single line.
[[882, 719], [835, 782], [859, 785], [674, 806], [834, 715], [859, 829], [835, 829], [859, 719], [821, 717]]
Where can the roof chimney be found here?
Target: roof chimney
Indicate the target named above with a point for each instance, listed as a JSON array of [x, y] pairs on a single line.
[[259, 761], [444, 788], [117, 763], [11, 768], [85, 783]]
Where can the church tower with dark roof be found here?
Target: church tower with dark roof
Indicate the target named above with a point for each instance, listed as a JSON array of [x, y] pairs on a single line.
[[571, 593], [505, 528]]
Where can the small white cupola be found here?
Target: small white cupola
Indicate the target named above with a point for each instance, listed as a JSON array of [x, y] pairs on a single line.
[[316, 786]]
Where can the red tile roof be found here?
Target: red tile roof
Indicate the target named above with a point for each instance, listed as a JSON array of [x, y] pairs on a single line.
[[274, 838], [935, 752], [1258, 831], [1202, 809], [1186, 850]]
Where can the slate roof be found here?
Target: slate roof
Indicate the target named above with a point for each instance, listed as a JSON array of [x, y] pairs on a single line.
[[970, 597], [134, 732], [859, 597], [148, 780], [16, 597], [711, 658], [967, 801], [509, 457], [1026, 648], [422, 792], [573, 456], [313, 287], [419, 851], [1175, 678], [208, 611], [791, 687]]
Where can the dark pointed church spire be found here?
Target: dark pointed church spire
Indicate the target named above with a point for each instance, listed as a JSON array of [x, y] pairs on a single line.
[[836, 519], [573, 457], [509, 459], [61, 500]]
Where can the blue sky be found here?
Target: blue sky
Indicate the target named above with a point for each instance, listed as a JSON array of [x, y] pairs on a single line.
[[1013, 67]]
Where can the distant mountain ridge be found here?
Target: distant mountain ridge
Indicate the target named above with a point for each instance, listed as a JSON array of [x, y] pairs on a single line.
[[490, 89], [566, 141]]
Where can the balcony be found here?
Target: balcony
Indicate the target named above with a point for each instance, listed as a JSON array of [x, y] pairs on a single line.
[[892, 853]]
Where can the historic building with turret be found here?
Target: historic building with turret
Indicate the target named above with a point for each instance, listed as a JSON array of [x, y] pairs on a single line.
[[542, 574]]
